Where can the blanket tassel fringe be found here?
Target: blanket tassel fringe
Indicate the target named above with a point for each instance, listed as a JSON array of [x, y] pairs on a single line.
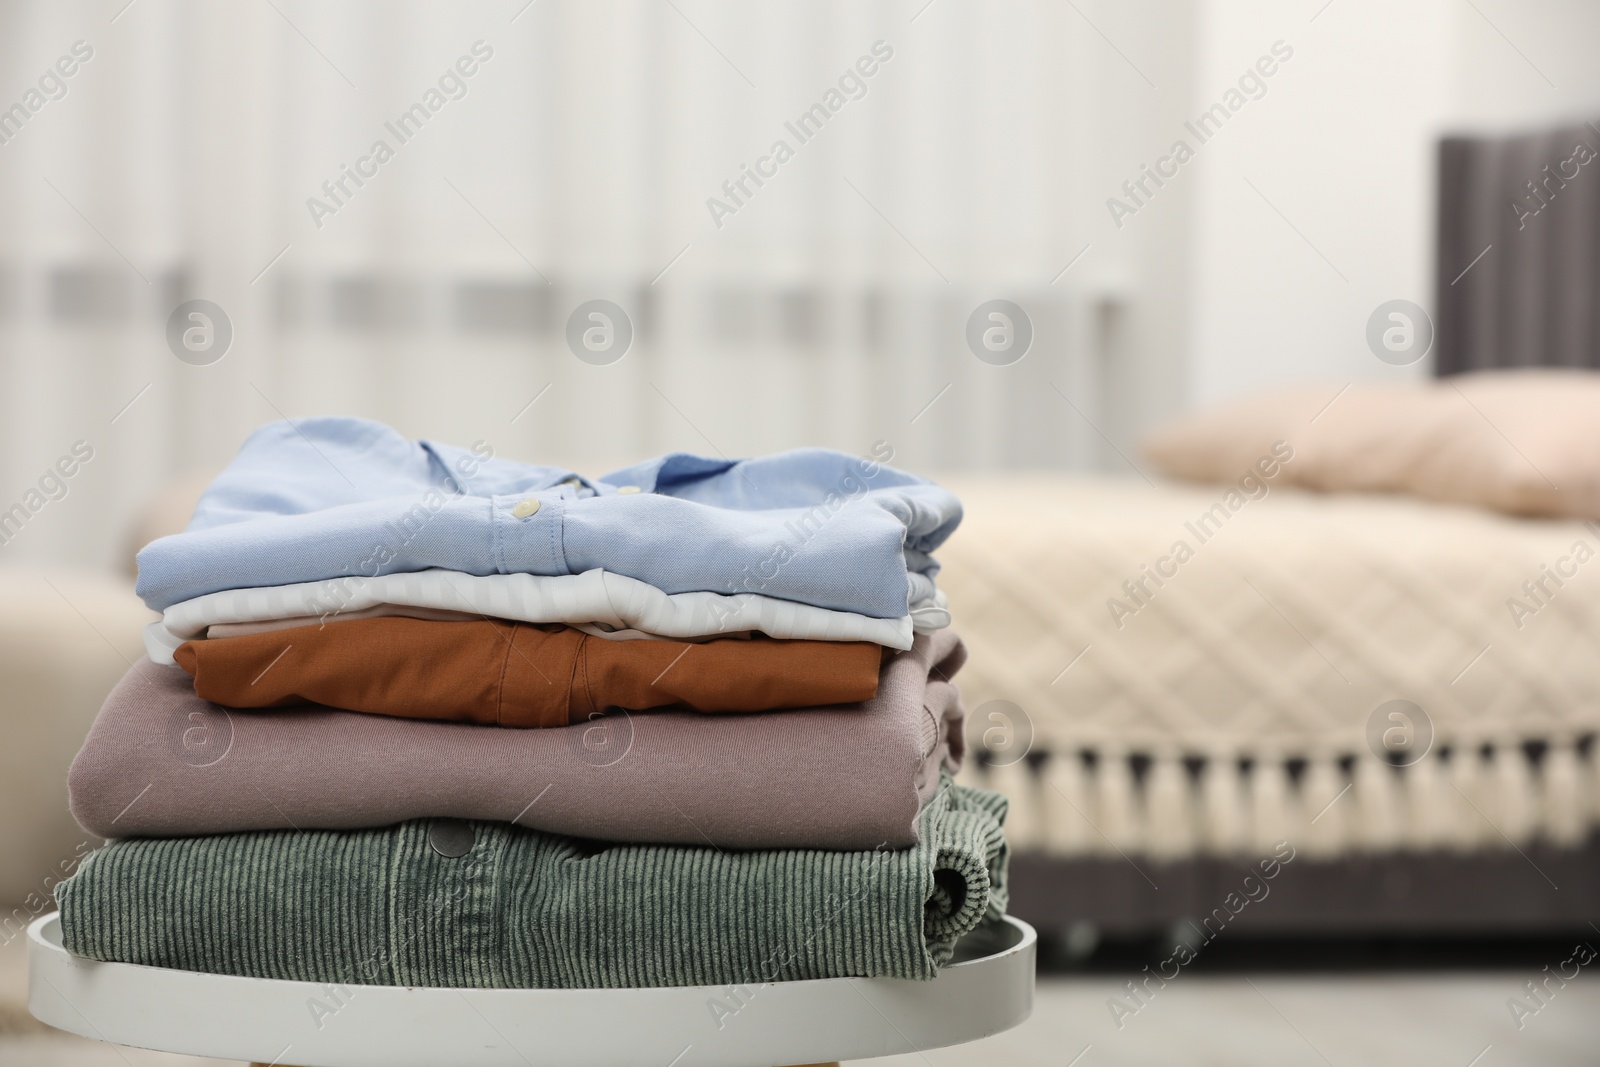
[[1469, 795]]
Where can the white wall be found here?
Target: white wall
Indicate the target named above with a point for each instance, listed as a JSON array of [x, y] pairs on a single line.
[[1343, 145], [1525, 62], [1340, 150]]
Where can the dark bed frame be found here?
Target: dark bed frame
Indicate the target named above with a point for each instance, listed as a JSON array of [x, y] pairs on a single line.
[[1541, 892], [1517, 261], [1517, 276]]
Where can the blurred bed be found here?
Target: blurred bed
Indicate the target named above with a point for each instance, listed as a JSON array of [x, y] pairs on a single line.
[[1381, 655], [1232, 710]]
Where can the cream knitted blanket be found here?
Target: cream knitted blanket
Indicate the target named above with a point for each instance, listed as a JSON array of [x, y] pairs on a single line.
[[1198, 669]]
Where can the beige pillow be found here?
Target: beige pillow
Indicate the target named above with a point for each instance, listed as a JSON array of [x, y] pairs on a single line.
[[1525, 442]]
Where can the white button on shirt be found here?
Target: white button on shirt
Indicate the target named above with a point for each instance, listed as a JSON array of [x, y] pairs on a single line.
[[523, 508]]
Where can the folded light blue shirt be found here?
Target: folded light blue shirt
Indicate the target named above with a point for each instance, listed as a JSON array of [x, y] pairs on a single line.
[[333, 498]]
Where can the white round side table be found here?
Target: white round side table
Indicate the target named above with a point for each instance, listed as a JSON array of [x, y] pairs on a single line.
[[987, 989]]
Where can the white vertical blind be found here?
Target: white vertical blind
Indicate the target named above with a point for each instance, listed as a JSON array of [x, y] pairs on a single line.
[[829, 309]]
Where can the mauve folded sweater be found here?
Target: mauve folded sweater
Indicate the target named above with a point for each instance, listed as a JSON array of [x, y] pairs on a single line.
[[489, 905], [159, 761]]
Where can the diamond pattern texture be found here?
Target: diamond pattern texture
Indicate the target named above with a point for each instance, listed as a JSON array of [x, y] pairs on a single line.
[[1297, 615]]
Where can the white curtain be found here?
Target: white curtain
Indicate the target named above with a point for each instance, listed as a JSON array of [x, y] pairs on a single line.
[[829, 309]]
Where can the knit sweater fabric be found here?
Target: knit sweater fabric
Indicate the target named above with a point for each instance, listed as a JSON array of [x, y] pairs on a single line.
[[518, 908]]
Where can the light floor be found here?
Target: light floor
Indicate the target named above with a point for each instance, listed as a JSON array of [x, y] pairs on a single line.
[[1361, 1020]]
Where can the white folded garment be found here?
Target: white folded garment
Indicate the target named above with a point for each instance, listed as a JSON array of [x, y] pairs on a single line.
[[597, 602]]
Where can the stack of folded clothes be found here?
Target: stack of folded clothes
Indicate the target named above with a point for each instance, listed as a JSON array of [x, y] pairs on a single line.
[[419, 715]]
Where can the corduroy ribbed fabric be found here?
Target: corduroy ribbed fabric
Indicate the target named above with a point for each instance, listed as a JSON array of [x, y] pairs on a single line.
[[524, 909]]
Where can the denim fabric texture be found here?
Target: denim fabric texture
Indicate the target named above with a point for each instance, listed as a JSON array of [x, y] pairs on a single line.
[[333, 497]]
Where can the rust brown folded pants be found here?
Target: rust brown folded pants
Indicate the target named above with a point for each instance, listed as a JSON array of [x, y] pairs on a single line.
[[517, 674]]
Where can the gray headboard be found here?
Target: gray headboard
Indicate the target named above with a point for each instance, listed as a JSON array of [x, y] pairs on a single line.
[[1518, 267]]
